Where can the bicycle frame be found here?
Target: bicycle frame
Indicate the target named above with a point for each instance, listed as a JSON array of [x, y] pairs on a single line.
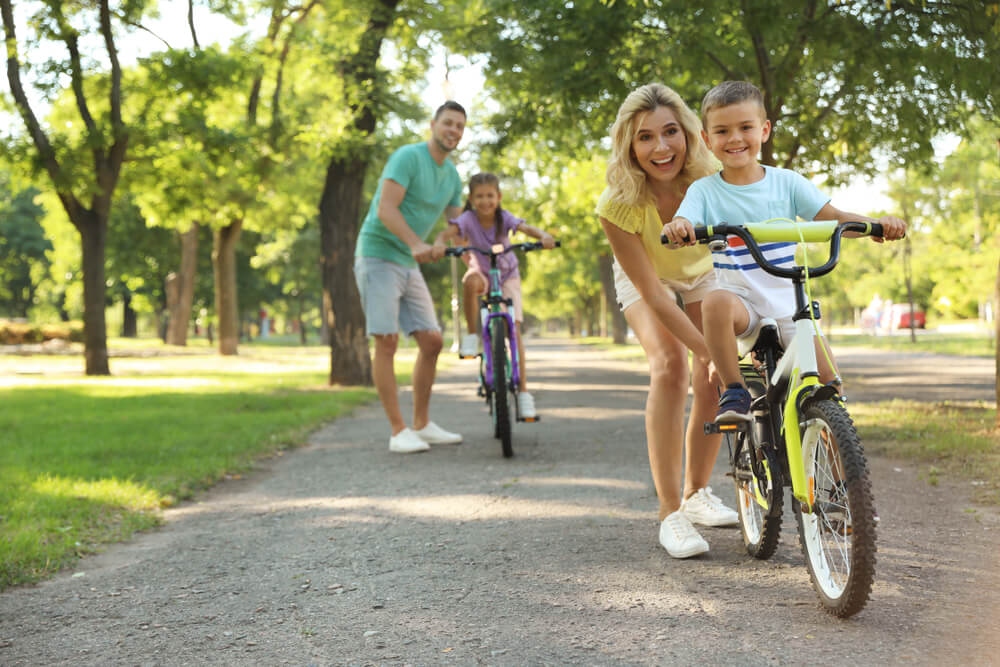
[[491, 309]]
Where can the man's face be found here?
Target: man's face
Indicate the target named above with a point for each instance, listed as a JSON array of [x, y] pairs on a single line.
[[447, 129]]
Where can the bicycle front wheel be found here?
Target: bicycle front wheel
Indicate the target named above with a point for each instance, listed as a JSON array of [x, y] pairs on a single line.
[[501, 384], [838, 537]]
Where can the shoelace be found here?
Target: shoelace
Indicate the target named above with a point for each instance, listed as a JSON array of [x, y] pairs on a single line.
[[681, 528]]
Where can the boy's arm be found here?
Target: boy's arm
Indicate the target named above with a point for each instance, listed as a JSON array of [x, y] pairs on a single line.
[[679, 231], [547, 240], [893, 228]]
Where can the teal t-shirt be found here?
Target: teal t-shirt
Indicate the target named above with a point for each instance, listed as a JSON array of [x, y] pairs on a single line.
[[430, 188]]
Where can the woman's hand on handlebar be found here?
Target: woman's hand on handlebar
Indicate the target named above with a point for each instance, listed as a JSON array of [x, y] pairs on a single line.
[[679, 231]]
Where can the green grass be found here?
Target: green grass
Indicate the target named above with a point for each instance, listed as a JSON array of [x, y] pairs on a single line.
[[966, 345], [956, 439], [87, 461]]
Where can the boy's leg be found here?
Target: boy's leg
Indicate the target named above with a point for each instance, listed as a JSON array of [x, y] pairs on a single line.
[[824, 355], [724, 316]]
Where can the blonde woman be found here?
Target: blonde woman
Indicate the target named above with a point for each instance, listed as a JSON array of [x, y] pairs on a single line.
[[656, 153]]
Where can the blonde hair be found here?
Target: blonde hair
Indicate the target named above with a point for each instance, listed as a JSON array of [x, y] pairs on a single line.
[[625, 177]]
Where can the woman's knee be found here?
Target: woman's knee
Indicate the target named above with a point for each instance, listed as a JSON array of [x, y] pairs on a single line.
[[668, 368]]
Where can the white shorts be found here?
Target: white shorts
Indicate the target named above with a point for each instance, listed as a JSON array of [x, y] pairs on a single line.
[[690, 291], [786, 326]]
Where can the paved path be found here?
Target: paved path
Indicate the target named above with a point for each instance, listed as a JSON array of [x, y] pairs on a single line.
[[342, 554]]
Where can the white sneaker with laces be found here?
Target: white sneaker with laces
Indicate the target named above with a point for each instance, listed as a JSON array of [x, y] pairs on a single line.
[[435, 435], [526, 405], [407, 442], [469, 347], [680, 538], [706, 508]]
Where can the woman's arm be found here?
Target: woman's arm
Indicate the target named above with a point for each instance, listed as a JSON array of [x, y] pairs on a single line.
[[632, 257]]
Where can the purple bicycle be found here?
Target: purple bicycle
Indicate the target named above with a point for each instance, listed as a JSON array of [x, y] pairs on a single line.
[[499, 365]]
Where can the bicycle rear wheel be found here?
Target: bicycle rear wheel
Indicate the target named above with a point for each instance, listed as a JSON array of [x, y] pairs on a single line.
[[838, 537], [760, 525], [501, 384]]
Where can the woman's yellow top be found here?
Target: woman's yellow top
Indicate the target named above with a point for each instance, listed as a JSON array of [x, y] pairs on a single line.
[[678, 264]]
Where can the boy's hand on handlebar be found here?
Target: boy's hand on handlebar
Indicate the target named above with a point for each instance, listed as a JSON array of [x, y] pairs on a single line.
[[893, 228], [547, 241], [679, 231]]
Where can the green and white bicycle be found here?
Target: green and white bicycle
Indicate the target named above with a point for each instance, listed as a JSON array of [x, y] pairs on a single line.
[[801, 435]]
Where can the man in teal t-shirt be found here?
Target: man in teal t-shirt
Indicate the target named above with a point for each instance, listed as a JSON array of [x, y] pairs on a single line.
[[417, 185]]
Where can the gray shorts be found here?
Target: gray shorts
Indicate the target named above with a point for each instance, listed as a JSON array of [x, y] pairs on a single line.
[[395, 298]]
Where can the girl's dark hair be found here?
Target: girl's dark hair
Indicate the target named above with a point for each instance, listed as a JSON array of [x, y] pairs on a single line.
[[486, 178]]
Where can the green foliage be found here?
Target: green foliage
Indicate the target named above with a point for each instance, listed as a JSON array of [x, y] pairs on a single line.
[[23, 249]]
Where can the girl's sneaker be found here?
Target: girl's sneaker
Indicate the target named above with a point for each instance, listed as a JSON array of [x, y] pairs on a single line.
[[526, 406], [469, 347]]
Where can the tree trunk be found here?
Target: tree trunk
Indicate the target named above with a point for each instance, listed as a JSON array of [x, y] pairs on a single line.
[[226, 308], [339, 212], [130, 319], [619, 326], [996, 344], [180, 309], [93, 237]]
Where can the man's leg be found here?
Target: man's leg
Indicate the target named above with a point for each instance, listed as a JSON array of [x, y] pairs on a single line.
[[384, 374], [429, 344]]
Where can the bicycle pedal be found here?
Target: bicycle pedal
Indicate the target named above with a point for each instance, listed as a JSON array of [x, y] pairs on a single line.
[[530, 420], [737, 427]]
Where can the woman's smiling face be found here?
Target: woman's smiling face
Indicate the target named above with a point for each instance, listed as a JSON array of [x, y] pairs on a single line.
[[659, 145]]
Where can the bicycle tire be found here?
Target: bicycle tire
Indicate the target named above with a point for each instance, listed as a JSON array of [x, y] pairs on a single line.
[[501, 387], [838, 538]]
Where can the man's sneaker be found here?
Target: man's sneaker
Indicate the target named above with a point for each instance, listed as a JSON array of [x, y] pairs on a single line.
[[680, 538], [526, 406], [469, 347], [706, 508], [734, 406], [407, 442], [435, 435]]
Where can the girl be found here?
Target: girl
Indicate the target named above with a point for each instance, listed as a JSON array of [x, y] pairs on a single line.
[[482, 225], [656, 152]]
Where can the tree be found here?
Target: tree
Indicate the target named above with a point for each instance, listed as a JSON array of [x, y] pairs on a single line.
[[85, 193], [23, 247]]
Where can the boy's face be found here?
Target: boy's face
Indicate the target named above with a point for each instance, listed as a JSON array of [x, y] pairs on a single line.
[[735, 133]]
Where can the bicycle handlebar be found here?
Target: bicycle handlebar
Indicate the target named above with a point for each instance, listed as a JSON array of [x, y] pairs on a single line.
[[526, 247], [762, 232]]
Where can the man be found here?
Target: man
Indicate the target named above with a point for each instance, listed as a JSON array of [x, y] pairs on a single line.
[[417, 185]]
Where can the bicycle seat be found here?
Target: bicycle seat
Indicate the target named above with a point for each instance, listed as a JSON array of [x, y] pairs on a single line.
[[746, 343]]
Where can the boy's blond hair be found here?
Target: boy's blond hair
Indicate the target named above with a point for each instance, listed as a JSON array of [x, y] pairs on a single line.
[[624, 176], [728, 93]]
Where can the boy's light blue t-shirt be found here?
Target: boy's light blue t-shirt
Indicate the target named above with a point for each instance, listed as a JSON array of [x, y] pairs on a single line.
[[430, 188], [781, 194]]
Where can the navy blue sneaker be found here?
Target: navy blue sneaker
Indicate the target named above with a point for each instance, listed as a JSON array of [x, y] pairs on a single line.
[[734, 406]]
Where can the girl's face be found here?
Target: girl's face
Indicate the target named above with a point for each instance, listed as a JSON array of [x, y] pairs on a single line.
[[485, 199], [659, 145]]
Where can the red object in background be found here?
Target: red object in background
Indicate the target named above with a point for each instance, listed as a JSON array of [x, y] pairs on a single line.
[[903, 319]]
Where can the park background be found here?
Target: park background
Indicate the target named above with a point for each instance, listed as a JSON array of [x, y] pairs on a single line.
[[195, 173]]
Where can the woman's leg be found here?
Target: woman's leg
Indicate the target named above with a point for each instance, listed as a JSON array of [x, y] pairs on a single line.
[[668, 383], [701, 449]]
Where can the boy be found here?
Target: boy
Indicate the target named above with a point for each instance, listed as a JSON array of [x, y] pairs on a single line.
[[734, 125]]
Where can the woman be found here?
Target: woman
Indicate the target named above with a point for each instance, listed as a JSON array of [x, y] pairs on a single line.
[[656, 153]]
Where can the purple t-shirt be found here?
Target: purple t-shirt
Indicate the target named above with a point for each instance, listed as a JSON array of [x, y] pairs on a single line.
[[469, 228]]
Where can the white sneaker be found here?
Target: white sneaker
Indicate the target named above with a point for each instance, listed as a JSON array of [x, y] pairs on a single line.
[[526, 406], [407, 442], [680, 538], [435, 435], [706, 508], [469, 347]]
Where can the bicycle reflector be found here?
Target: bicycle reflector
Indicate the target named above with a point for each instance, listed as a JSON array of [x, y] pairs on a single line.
[[497, 248]]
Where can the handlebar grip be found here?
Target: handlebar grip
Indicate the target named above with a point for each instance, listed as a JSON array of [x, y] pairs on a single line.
[[876, 229]]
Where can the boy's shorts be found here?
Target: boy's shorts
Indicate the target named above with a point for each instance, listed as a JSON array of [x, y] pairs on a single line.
[[395, 298], [786, 326], [511, 289], [690, 291]]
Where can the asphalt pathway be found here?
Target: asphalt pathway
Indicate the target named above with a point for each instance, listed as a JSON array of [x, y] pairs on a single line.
[[341, 553]]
